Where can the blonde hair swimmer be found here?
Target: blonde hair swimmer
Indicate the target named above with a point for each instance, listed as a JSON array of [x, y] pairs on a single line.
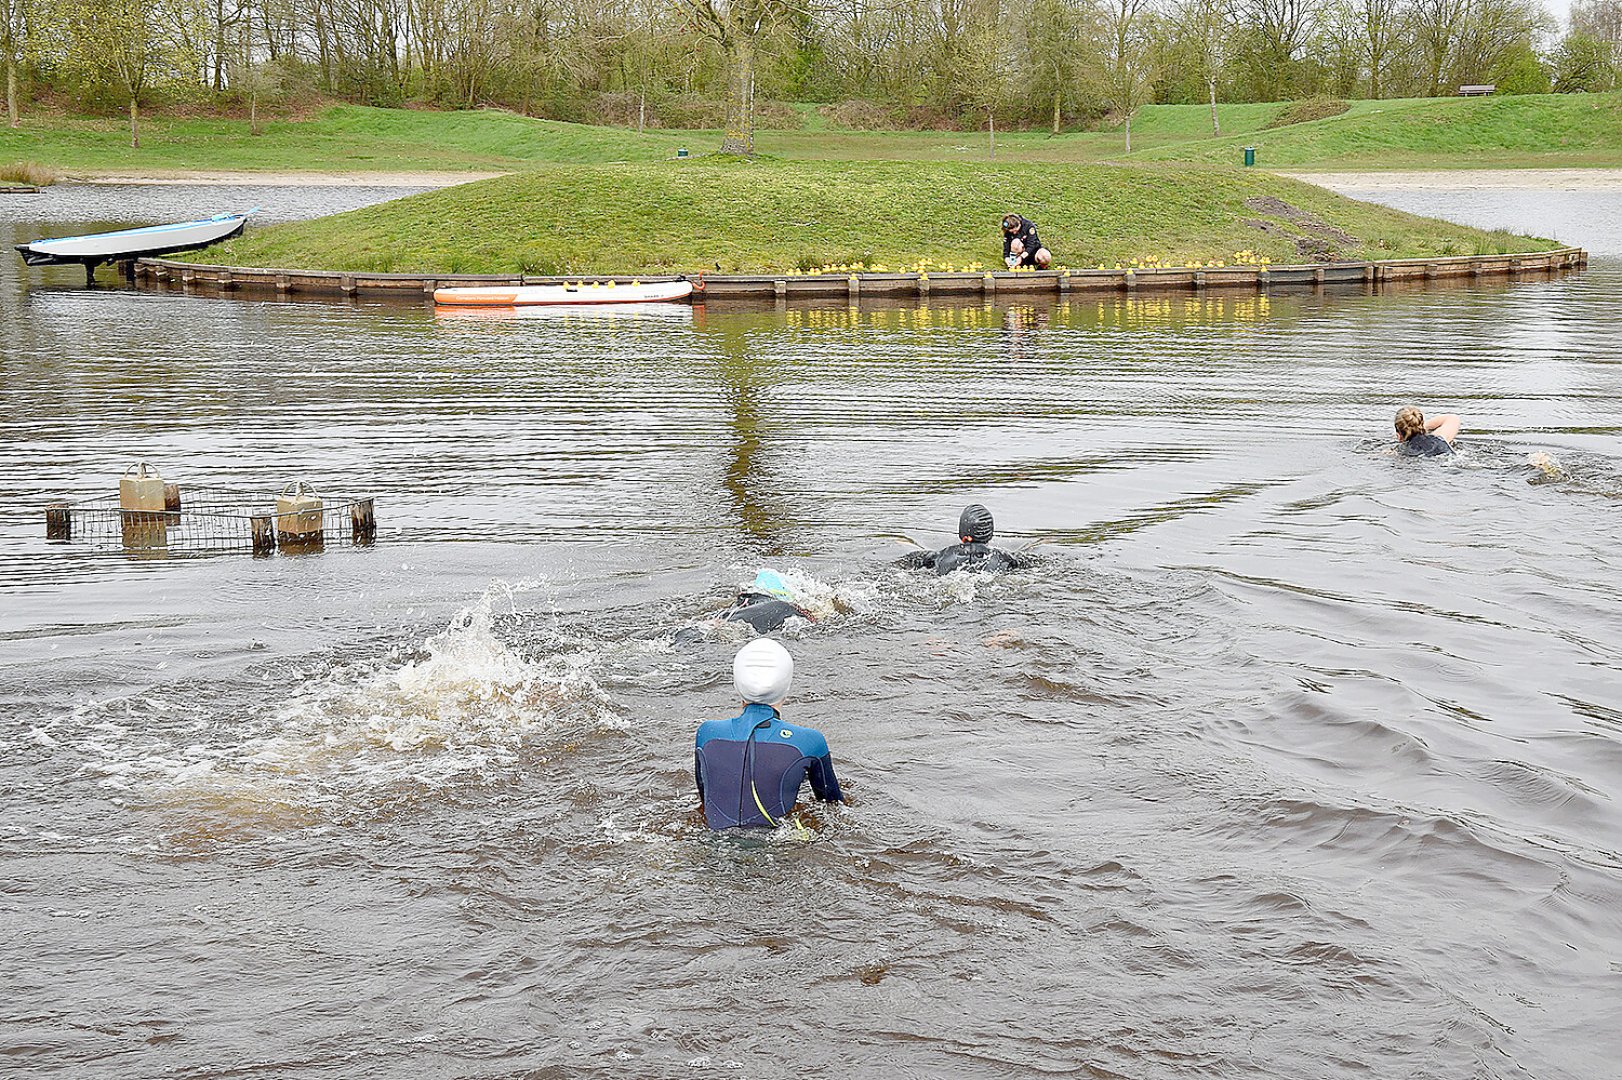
[[750, 768], [1418, 437]]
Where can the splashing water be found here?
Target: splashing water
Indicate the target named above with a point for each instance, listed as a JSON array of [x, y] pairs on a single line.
[[460, 708]]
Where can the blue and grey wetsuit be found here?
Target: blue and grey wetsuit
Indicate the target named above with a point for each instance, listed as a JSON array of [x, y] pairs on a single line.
[[749, 768], [1424, 445]]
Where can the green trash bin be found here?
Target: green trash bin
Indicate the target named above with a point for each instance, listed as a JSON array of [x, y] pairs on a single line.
[[1250, 155]]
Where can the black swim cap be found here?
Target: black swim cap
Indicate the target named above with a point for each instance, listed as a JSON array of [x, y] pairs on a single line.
[[976, 524]]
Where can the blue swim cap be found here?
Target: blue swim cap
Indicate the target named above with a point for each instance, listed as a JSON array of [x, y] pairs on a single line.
[[768, 582]]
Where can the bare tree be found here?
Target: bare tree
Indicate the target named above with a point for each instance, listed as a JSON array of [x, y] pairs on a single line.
[[118, 40], [739, 27], [14, 27], [1127, 28]]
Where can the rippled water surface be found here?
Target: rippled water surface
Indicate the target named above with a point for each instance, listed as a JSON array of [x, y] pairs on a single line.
[[1287, 759]]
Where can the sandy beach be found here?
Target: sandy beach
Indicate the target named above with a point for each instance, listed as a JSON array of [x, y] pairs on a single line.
[[1469, 180], [289, 179]]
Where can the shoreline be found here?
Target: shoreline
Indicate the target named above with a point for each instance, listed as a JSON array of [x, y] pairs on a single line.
[[165, 274], [1571, 179]]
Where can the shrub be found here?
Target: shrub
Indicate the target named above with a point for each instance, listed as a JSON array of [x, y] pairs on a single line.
[[27, 172]]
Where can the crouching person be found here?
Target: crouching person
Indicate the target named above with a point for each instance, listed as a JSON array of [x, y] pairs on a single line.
[[749, 768]]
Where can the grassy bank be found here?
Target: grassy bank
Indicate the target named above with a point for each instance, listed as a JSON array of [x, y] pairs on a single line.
[[1548, 131], [743, 216], [1551, 131]]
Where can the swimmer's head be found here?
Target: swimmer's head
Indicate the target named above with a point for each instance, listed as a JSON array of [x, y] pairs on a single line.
[[1010, 223], [762, 672], [1410, 422], [768, 582], [975, 525]]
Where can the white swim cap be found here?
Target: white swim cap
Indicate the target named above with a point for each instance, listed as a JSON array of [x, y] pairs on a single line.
[[762, 672]]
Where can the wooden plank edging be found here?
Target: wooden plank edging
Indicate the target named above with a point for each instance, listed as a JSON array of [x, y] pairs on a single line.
[[783, 287]]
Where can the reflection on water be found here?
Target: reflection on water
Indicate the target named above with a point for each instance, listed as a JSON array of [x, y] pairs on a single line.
[[1287, 758]]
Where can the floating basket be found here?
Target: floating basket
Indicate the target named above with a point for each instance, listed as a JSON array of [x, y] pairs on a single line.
[[215, 519]]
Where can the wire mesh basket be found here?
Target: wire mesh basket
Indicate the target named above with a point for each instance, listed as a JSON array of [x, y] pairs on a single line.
[[202, 518]]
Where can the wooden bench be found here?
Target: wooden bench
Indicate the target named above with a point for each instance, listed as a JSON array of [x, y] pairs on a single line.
[[1477, 91]]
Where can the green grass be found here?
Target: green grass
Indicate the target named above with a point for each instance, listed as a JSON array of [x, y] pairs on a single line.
[[755, 216], [1551, 130], [1545, 130]]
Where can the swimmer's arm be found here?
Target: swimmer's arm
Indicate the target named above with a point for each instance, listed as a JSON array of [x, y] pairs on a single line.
[[824, 783], [1444, 427], [917, 560], [698, 775]]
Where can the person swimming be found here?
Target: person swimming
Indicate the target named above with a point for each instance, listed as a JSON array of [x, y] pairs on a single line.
[[766, 604], [973, 551], [749, 769], [1418, 437]]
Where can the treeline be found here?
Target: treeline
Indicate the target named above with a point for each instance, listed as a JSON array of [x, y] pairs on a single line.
[[721, 63]]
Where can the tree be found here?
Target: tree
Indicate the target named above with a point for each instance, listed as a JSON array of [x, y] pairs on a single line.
[[1601, 19], [116, 40], [14, 18], [739, 27], [1126, 57], [1055, 52], [1208, 25], [1583, 62]]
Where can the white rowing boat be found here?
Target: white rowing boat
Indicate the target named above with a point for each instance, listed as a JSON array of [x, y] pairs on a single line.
[[98, 248], [573, 292]]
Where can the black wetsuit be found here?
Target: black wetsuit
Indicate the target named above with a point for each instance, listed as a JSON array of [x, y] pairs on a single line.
[[762, 611], [1424, 445], [970, 556], [1027, 234]]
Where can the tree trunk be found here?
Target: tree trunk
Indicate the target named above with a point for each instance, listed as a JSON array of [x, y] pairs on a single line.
[[11, 91], [642, 111], [1216, 126], [991, 127], [740, 133], [1129, 133], [135, 129], [1058, 99]]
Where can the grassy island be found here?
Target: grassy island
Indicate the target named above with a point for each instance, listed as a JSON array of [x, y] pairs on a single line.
[[779, 216]]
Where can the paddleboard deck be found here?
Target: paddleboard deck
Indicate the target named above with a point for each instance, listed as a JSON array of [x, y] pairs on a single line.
[[584, 292]]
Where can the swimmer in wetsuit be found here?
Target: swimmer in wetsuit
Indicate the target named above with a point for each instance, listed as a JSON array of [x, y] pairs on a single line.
[[975, 529], [1418, 437], [749, 769], [765, 606]]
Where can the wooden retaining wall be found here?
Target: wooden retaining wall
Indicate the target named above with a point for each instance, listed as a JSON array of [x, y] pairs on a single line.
[[161, 273]]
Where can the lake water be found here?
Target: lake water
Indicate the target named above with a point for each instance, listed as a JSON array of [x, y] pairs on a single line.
[[1287, 759]]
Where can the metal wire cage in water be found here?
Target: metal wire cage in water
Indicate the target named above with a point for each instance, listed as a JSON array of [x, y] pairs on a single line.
[[201, 518]]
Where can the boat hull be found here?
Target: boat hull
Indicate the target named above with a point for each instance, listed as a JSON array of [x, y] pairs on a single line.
[[593, 293], [131, 243]]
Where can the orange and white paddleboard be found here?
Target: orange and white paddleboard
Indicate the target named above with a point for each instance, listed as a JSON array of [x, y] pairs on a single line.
[[580, 292]]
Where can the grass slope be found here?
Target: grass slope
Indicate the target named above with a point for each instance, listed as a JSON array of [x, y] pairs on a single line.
[[752, 216], [1548, 130], [344, 138], [1570, 129], [357, 138]]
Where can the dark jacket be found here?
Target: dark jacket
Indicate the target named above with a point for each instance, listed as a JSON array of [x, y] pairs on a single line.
[[1026, 233]]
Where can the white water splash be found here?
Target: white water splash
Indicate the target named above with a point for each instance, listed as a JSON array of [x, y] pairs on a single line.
[[459, 706]]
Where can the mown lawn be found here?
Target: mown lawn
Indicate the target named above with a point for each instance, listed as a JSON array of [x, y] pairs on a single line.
[[1549, 130], [754, 216]]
